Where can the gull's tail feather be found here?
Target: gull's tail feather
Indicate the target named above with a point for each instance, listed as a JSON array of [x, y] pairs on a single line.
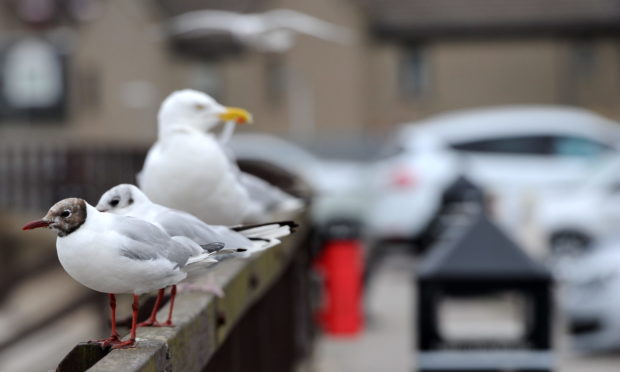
[[266, 235], [227, 253], [196, 252], [261, 245], [206, 257]]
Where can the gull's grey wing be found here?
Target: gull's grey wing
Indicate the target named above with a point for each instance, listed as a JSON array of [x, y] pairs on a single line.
[[266, 195], [262, 192], [184, 224], [145, 241], [213, 247]]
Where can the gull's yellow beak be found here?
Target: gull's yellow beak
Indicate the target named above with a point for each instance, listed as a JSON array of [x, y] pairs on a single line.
[[238, 115]]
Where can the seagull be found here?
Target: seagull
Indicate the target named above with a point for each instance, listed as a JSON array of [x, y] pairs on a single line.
[[187, 169], [271, 31], [117, 254], [129, 200], [257, 200]]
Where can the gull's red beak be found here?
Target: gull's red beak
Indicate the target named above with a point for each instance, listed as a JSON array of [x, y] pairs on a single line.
[[36, 224]]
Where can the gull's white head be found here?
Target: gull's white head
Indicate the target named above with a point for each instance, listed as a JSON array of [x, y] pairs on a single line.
[[121, 198], [191, 108]]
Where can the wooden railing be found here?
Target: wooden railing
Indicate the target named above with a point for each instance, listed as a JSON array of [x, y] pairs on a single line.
[[262, 324]]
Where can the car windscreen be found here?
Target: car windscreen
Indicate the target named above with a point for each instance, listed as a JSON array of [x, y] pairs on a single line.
[[525, 145], [548, 145]]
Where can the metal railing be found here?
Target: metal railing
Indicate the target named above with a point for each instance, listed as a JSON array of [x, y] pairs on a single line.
[[35, 176]]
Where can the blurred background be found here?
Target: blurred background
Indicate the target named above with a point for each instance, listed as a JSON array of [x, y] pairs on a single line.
[[468, 151]]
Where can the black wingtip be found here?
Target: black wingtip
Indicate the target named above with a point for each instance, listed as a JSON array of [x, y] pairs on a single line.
[[291, 224], [255, 239]]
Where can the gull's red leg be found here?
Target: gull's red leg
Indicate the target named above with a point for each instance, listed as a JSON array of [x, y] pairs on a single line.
[[134, 320], [152, 320], [114, 338], [173, 294], [113, 315]]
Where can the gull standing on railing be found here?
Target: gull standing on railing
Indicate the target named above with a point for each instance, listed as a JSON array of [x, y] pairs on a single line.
[[191, 170], [129, 200], [117, 254], [187, 169]]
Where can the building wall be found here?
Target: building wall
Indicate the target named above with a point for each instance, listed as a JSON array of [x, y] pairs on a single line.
[[591, 75], [468, 74], [120, 71], [118, 74], [323, 85], [471, 73]]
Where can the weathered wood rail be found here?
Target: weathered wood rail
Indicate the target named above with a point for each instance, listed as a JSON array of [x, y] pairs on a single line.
[[263, 322]]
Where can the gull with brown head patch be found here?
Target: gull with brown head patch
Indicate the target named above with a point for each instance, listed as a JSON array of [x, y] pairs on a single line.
[[118, 254]]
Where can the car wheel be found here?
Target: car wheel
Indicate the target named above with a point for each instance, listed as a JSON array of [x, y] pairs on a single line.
[[570, 243]]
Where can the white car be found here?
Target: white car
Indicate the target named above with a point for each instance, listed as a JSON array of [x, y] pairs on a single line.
[[339, 187], [575, 219], [514, 153], [589, 296]]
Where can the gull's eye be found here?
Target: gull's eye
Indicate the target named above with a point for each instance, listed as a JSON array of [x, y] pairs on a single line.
[[114, 202], [66, 213], [200, 106]]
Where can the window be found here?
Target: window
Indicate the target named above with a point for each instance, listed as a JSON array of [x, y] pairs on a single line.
[[536, 145], [205, 76], [33, 76], [391, 151], [577, 146], [414, 72], [525, 145], [275, 78], [584, 56]]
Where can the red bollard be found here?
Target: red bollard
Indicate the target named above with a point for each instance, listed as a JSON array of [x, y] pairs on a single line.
[[341, 266]]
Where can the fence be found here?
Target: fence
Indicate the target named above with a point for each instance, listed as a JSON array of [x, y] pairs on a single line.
[[33, 177]]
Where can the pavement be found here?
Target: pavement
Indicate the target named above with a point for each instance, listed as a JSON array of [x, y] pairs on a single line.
[[387, 342]]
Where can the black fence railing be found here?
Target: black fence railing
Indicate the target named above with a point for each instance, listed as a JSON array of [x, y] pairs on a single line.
[[33, 177]]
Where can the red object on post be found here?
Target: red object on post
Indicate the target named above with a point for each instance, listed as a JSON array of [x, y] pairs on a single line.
[[341, 266]]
